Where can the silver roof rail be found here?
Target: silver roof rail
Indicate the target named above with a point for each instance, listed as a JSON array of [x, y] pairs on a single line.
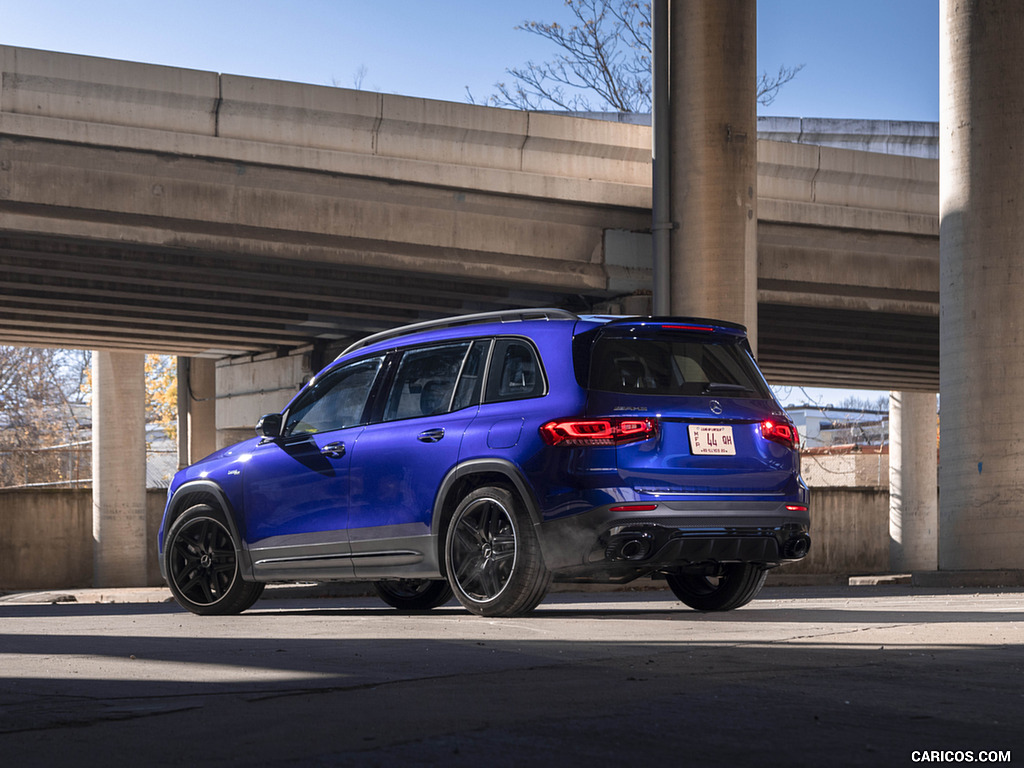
[[503, 316]]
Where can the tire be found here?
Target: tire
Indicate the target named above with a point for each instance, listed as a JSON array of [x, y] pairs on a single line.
[[493, 557], [413, 594], [202, 565], [736, 586]]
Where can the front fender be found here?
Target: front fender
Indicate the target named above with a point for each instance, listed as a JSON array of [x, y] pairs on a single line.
[[203, 492]]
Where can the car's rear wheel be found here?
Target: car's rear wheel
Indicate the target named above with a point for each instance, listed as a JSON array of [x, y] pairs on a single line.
[[492, 555], [413, 594], [202, 567], [736, 585]]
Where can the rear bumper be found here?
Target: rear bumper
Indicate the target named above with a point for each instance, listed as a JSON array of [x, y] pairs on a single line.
[[621, 542]]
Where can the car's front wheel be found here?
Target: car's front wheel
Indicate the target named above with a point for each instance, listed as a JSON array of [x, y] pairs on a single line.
[[202, 568], [413, 594], [736, 585], [492, 555]]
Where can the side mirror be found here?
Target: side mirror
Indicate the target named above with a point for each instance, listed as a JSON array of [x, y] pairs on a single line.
[[269, 426]]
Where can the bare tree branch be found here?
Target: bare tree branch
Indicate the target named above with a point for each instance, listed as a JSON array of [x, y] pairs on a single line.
[[604, 53], [768, 86]]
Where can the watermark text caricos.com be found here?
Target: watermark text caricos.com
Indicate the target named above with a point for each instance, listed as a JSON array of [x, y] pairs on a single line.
[[960, 756]]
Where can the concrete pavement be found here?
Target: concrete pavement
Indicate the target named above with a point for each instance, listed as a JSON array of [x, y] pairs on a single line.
[[802, 676]]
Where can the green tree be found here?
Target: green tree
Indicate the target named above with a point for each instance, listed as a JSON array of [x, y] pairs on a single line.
[[162, 393]]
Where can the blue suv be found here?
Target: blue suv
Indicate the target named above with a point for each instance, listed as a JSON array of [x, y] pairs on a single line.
[[487, 455]]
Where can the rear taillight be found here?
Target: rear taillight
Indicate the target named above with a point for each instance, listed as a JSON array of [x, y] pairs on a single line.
[[780, 432], [614, 431]]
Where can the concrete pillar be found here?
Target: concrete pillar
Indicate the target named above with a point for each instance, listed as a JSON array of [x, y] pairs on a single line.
[[913, 482], [119, 469], [713, 105], [981, 246], [202, 416]]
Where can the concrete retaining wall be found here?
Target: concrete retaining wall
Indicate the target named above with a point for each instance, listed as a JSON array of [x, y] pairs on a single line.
[[849, 533], [46, 536]]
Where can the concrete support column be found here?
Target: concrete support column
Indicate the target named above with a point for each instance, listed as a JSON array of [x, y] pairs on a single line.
[[913, 482], [981, 246], [197, 409], [202, 416], [119, 469], [713, 105]]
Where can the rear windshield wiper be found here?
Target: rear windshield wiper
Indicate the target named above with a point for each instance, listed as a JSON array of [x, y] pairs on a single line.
[[721, 386]]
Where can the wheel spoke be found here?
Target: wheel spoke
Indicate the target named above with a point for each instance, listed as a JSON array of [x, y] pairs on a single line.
[[197, 579], [467, 567], [503, 546], [186, 545], [468, 538], [487, 583]]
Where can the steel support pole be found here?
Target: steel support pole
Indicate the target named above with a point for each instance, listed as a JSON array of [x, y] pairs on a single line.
[[661, 224]]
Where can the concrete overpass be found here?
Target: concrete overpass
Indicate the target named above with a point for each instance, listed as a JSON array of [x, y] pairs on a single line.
[[185, 212], [260, 224]]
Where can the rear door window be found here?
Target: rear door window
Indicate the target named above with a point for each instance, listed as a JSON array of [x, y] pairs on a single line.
[[424, 384]]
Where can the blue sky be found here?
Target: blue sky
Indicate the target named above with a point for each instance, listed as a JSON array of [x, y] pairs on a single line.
[[862, 58]]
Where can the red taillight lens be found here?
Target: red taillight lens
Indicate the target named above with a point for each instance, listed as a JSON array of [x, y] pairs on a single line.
[[616, 431], [780, 432]]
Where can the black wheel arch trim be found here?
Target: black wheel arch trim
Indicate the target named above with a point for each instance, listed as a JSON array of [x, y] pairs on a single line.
[[179, 502], [468, 469]]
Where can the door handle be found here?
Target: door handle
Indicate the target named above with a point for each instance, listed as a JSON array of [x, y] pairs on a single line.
[[333, 450], [430, 435]]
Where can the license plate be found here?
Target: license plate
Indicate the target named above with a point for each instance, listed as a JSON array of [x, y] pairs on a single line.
[[715, 441]]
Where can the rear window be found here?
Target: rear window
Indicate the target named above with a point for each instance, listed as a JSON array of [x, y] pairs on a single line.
[[674, 364]]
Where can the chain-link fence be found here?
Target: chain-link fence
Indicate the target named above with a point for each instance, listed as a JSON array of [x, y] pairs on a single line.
[[70, 466]]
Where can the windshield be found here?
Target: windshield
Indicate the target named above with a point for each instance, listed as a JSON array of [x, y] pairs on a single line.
[[674, 364]]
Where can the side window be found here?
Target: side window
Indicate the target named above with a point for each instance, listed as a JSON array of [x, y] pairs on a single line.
[[335, 401], [425, 381], [515, 372]]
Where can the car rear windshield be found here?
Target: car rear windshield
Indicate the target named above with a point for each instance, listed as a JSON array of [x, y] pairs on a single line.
[[672, 364]]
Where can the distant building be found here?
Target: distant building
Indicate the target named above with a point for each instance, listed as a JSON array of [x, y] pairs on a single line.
[[842, 448], [823, 427]]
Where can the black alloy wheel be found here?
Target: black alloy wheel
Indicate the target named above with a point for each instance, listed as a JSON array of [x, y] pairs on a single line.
[[413, 594], [493, 557], [735, 586], [202, 567]]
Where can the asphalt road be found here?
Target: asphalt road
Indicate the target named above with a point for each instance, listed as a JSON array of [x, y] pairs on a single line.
[[870, 676]]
